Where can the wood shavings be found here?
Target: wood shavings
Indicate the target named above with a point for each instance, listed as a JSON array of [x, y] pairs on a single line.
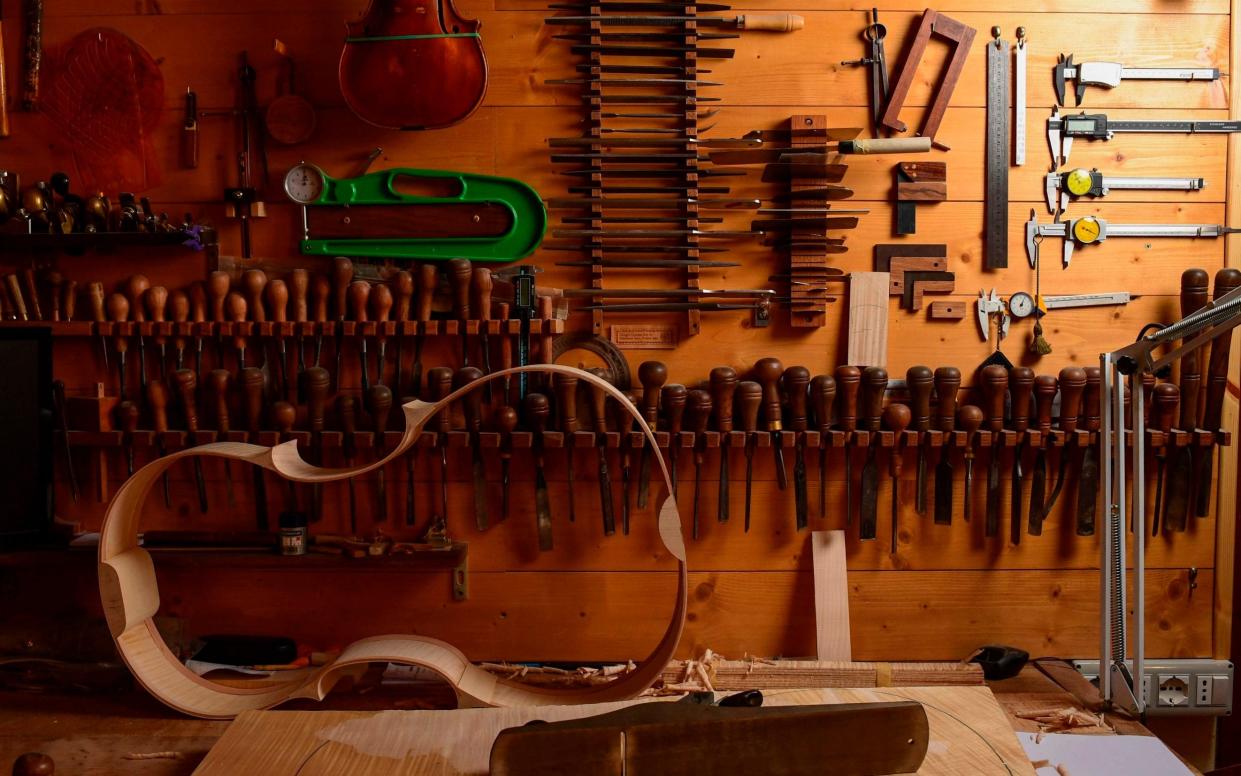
[[550, 676], [154, 756], [1067, 718]]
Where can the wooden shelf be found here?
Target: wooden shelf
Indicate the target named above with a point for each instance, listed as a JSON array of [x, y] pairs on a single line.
[[24, 242]]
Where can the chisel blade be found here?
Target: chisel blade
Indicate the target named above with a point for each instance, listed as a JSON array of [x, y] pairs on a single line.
[[1176, 491], [943, 488], [605, 493], [1016, 514], [1038, 489], [869, 521], [1088, 492], [543, 510], [993, 491]]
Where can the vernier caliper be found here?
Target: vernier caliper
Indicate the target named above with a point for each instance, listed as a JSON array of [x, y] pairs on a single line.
[[1063, 186], [989, 305], [1092, 229], [1096, 126], [1110, 74]]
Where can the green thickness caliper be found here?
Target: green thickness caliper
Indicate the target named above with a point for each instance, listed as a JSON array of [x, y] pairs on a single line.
[[476, 217]]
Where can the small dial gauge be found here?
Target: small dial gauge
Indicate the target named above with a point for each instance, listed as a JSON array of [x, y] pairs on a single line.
[[304, 183], [1087, 230], [1020, 304], [1079, 182]]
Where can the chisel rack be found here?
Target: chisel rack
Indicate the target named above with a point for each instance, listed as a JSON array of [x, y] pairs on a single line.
[[809, 272]]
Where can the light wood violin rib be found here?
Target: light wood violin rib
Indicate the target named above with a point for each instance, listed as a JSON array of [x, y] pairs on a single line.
[[130, 595]]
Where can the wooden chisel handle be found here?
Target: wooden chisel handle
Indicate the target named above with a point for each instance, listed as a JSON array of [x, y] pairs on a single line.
[[1092, 399], [919, 380], [886, 145], [298, 287], [673, 396], [33, 53], [1020, 383], [947, 383], [796, 381], [874, 386], [772, 22], [1163, 412], [1045, 387], [4, 89], [848, 381], [1193, 298], [994, 382], [723, 382], [767, 371], [652, 375], [566, 404], [822, 397], [403, 293], [1226, 280], [1072, 382]]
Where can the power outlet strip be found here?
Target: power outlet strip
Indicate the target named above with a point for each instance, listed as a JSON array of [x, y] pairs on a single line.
[[1179, 687]]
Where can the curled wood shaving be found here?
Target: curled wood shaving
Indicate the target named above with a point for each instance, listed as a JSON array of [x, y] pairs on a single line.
[[154, 756], [1067, 718], [551, 676]]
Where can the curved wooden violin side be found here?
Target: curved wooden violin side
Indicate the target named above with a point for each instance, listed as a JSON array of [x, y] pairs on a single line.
[[413, 64], [130, 594]]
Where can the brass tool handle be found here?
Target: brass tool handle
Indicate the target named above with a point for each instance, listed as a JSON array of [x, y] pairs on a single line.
[[919, 380], [796, 380]]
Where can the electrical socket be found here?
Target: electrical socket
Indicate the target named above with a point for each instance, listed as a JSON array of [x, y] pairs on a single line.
[[1179, 686]]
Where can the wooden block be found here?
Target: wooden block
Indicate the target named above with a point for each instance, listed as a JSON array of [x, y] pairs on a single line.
[[947, 311], [896, 287], [885, 252], [918, 283], [831, 596], [868, 318]]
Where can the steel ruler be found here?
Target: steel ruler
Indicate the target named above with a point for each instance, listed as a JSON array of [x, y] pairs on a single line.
[[1019, 111], [995, 211]]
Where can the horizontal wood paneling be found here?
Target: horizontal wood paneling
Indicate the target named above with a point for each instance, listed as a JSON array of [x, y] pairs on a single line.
[[947, 589]]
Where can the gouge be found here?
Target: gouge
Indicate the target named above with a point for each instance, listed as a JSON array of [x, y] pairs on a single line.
[[723, 381], [822, 395]]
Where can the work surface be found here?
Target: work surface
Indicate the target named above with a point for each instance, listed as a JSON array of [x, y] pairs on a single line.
[[95, 734]]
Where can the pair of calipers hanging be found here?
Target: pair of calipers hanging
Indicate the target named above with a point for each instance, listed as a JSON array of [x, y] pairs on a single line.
[[1110, 74], [1088, 230], [1060, 187], [1061, 130]]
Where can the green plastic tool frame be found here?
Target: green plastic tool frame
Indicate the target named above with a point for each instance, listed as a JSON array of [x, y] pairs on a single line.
[[529, 217]]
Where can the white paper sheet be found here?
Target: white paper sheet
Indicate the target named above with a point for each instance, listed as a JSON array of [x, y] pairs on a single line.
[[1102, 755]]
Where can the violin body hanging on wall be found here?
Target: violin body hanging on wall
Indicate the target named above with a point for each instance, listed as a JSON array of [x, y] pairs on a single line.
[[413, 64]]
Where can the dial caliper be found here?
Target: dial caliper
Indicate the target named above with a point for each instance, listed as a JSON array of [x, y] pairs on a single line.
[[1088, 230], [1110, 74], [1096, 126], [1063, 186]]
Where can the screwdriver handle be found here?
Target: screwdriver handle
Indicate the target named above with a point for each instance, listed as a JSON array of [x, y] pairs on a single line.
[[822, 397], [848, 384], [874, 385], [566, 401], [253, 282], [1091, 399], [428, 279], [723, 381], [472, 401], [1167, 399], [767, 371], [749, 397], [480, 293], [460, 272], [218, 284], [342, 276], [1072, 382], [277, 294], [318, 383], [1045, 387], [673, 396], [439, 383], [652, 375], [994, 382], [947, 383], [252, 393], [217, 385], [599, 400], [299, 287], [359, 294], [796, 380], [187, 384], [920, 380]]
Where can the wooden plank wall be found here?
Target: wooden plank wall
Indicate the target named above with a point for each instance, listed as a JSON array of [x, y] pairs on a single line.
[[947, 589]]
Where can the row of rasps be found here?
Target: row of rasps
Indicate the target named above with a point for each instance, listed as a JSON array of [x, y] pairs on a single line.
[[642, 188]]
